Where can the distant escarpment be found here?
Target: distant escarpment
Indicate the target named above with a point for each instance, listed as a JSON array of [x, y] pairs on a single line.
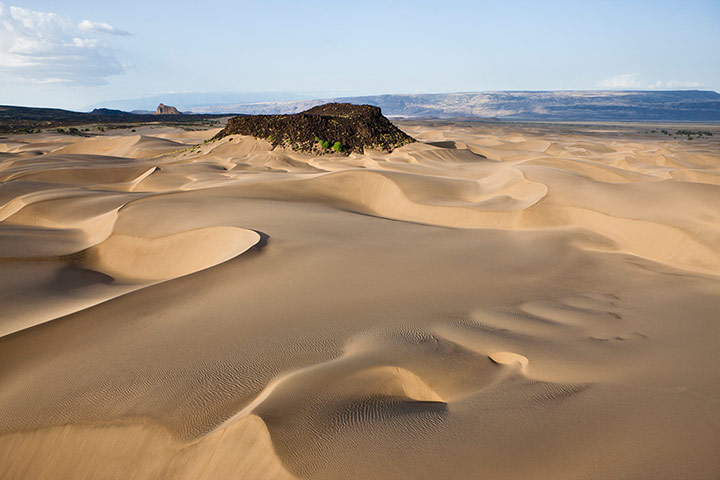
[[614, 106], [163, 109], [333, 127]]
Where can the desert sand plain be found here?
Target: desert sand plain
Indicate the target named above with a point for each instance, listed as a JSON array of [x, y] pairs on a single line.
[[495, 301]]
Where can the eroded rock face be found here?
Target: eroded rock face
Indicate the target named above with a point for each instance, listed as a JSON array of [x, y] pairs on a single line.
[[329, 128], [163, 109]]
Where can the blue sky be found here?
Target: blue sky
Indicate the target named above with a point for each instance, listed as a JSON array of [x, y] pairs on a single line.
[[73, 54]]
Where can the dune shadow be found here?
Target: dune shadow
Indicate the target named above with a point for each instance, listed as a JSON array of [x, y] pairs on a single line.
[[73, 277], [443, 144]]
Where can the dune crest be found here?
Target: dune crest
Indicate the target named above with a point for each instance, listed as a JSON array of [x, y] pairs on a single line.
[[135, 146], [242, 450], [130, 258], [509, 358]]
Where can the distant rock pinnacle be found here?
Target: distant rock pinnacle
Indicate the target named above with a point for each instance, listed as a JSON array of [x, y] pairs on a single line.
[[163, 109]]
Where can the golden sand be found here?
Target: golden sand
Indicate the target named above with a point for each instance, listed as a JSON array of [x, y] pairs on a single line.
[[494, 301]]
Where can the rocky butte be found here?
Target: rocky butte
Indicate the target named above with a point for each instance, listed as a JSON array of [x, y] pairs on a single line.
[[333, 127], [163, 109]]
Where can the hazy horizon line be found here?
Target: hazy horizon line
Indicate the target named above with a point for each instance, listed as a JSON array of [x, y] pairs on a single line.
[[300, 96]]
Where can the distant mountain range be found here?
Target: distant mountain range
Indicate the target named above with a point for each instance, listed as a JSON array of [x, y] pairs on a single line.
[[680, 105], [564, 106]]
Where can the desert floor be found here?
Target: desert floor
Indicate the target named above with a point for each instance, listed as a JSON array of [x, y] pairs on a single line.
[[496, 301]]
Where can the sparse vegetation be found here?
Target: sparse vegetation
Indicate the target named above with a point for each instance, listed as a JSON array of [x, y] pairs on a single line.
[[337, 147], [697, 133], [690, 134]]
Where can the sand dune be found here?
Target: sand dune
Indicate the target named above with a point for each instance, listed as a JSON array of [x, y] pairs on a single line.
[[493, 301], [241, 450], [134, 146], [137, 259]]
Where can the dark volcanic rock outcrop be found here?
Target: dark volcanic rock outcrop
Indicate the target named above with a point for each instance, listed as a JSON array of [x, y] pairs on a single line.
[[334, 127], [163, 109]]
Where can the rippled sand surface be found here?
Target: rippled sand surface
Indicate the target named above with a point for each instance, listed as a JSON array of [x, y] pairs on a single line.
[[494, 301]]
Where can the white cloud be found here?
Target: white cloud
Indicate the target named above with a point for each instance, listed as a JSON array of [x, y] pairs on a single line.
[[100, 27], [85, 42], [632, 81], [676, 84], [627, 80], [44, 48]]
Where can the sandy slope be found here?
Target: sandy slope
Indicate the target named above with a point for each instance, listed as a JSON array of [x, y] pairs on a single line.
[[495, 301]]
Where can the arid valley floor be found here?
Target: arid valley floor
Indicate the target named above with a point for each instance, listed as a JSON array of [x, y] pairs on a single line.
[[495, 301]]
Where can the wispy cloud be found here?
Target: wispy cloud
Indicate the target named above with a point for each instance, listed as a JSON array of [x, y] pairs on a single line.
[[46, 48], [632, 81], [100, 27]]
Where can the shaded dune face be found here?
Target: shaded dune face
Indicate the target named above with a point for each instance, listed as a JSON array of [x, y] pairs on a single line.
[[491, 301]]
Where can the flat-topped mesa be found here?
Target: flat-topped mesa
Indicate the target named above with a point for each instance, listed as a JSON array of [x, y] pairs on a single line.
[[163, 109], [333, 127]]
